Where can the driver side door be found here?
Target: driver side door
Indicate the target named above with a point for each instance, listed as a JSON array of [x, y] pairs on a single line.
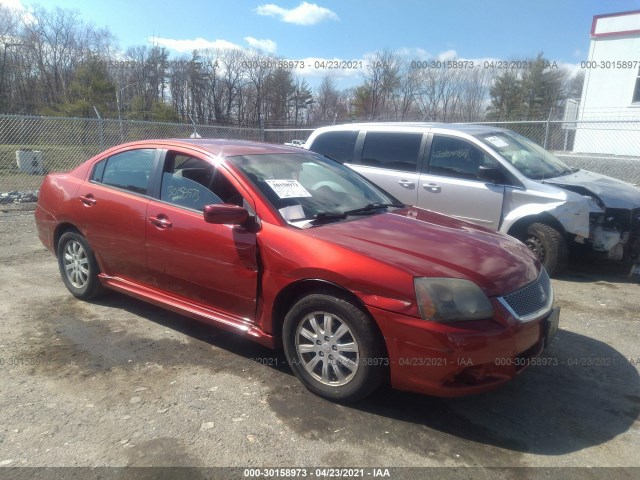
[[214, 266], [450, 184]]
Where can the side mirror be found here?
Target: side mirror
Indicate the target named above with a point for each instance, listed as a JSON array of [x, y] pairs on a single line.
[[225, 214], [490, 174]]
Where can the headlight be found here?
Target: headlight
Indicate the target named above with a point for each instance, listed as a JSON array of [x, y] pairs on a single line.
[[451, 299]]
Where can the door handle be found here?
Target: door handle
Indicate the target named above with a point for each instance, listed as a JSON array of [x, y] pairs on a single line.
[[407, 183], [432, 187], [88, 200], [161, 222]]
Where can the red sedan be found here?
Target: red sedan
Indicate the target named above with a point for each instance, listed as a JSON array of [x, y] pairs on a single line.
[[292, 249]]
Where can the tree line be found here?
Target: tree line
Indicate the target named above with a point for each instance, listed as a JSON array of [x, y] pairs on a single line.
[[54, 63]]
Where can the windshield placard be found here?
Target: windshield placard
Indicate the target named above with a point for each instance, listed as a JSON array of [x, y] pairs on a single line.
[[497, 142], [286, 188]]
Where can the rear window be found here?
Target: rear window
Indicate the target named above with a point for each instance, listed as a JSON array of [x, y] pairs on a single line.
[[337, 145], [128, 170]]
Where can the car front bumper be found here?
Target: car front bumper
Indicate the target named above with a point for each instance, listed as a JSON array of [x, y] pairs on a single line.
[[463, 358]]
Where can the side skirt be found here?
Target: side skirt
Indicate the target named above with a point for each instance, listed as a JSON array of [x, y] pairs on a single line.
[[198, 312]]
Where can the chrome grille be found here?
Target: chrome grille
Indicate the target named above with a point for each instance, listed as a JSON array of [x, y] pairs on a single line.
[[531, 301]]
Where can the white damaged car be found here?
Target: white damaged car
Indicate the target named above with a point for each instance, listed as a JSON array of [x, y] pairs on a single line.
[[496, 178]]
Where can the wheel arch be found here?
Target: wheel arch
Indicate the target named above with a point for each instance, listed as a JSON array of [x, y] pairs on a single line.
[[519, 227], [293, 292], [61, 230]]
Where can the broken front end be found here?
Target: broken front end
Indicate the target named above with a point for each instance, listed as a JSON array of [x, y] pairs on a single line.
[[616, 233]]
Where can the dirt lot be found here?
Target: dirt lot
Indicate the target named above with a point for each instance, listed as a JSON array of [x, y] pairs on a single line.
[[122, 383]]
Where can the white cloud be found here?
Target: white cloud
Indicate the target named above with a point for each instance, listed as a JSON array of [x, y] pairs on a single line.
[[17, 7], [189, 45], [303, 14], [447, 55], [194, 44], [267, 45], [414, 53], [12, 4]]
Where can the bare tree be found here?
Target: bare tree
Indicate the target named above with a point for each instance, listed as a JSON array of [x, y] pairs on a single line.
[[9, 28], [53, 36], [409, 88], [258, 71], [231, 63], [475, 88], [327, 100], [383, 79]]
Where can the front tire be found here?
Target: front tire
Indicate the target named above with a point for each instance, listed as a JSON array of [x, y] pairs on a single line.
[[78, 266], [334, 348], [549, 246]]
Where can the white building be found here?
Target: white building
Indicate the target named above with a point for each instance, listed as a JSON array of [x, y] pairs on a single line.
[[611, 87]]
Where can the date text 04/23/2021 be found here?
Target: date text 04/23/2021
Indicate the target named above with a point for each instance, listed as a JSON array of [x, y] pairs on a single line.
[[325, 472]]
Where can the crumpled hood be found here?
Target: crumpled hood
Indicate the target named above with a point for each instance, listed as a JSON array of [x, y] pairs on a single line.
[[425, 243], [613, 193]]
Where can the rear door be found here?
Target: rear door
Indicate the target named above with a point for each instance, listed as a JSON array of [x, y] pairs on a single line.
[[212, 265], [112, 216], [450, 184]]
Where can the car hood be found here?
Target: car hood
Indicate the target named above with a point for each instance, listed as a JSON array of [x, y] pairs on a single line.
[[611, 192], [425, 243]]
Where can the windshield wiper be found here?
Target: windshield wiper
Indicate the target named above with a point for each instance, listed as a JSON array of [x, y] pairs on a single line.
[[566, 171], [322, 216], [371, 207], [328, 216]]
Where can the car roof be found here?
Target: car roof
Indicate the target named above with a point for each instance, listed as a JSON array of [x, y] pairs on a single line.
[[469, 128], [219, 146]]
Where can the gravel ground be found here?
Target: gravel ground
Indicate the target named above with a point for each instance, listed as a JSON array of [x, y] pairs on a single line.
[[120, 383]]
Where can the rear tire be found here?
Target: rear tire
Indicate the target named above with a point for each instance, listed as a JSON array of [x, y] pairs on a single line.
[[78, 266], [549, 245], [334, 348]]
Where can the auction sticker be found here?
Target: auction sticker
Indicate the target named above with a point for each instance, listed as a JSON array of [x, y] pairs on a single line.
[[288, 188], [497, 141]]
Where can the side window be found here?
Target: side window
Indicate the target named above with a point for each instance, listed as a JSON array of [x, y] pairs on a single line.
[[395, 151], [454, 157], [98, 171], [194, 183], [127, 170], [337, 145]]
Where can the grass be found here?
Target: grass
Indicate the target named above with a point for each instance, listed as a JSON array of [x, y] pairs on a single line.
[[54, 157]]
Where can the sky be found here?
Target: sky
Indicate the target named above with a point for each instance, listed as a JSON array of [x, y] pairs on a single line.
[[352, 30]]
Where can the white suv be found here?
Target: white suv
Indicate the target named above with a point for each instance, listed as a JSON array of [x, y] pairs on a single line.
[[496, 178]]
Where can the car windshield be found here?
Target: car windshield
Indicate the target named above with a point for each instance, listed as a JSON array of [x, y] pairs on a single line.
[[309, 189], [530, 159]]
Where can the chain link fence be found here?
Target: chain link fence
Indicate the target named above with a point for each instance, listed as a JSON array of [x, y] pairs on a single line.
[[609, 147], [32, 146]]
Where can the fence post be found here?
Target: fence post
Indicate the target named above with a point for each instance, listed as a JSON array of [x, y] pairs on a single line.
[[546, 130], [101, 128]]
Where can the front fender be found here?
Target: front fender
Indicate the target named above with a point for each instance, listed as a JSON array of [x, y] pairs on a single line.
[[569, 209]]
